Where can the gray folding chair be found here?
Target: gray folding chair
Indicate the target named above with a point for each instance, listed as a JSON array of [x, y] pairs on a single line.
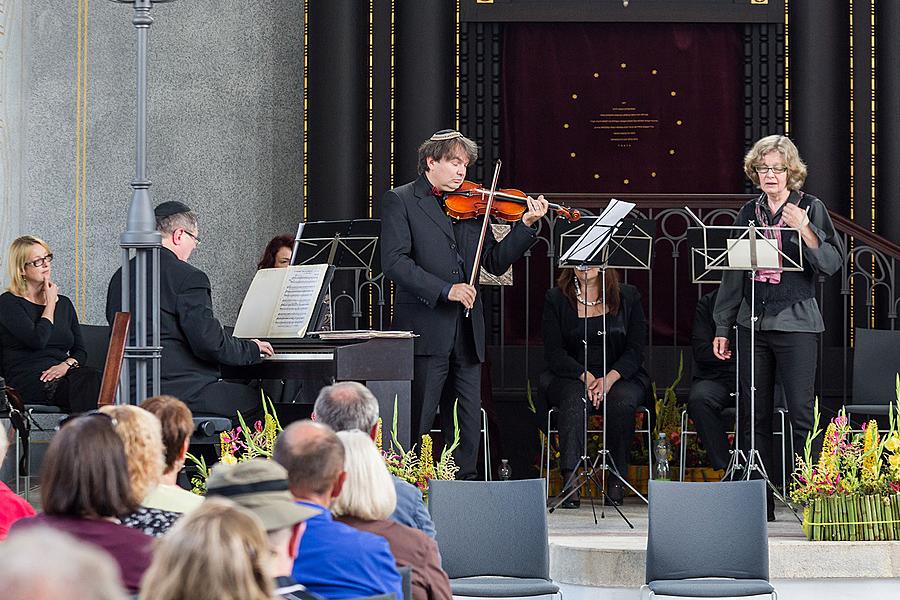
[[493, 537], [876, 363], [707, 540]]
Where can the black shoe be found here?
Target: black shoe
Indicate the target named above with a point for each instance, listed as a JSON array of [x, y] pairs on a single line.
[[615, 492]]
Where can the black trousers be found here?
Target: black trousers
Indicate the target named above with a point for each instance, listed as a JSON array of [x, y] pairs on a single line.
[[439, 381], [791, 356], [226, 398], [623, 400], [707, 400], [76, 392]]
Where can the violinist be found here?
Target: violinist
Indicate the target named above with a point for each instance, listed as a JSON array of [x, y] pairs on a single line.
[[430, 256]]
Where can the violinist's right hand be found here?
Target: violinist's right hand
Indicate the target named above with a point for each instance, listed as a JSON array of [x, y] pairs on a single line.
[[462, 293], [720, 348]]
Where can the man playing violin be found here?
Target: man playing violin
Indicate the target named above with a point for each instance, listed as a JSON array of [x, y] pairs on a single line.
[[430, 257]]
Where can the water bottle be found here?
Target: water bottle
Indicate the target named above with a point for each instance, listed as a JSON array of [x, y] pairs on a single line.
[[661, 452], [504, 471]]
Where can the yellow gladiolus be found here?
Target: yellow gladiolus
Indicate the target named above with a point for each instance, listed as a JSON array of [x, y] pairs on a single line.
[[893, 444]]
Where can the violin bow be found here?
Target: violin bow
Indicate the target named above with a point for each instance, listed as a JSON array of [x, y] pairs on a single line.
[[476, 266]]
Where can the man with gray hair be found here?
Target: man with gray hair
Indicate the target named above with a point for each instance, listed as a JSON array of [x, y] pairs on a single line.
[[349, 405], [194, 343]]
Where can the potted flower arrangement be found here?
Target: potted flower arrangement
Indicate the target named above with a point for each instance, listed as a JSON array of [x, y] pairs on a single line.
[[243, 443], [853, 491]]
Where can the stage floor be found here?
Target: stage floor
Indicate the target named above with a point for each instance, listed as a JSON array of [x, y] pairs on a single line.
[[611, 556]]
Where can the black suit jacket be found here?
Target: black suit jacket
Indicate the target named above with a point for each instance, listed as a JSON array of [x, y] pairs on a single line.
[[193, 341], [419, 253]]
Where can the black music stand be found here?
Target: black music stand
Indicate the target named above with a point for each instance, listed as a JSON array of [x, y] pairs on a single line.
[[349, 245], [737, 248], [629, 243]]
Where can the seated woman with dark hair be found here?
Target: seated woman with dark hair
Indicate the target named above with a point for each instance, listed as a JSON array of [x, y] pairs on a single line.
[[627, 385], [277, 253], [40, 337], [85, 489]]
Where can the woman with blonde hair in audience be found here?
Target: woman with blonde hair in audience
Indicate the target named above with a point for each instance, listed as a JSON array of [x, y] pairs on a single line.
[[85, 490], [177, 427], [43, 351], [141, 434], [367, 501], [218, 552]]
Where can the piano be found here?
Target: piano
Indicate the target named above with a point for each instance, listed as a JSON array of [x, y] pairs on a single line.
[[384, 365]]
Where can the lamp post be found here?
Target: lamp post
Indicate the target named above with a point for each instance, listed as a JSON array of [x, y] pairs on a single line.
[[141, 238]]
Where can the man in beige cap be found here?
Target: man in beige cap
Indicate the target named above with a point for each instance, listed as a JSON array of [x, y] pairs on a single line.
[[261, 486]]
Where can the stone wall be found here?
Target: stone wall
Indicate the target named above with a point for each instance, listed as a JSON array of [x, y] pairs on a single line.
[[225, 133]]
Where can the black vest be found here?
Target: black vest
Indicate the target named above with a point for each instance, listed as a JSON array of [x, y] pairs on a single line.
[[795, 286]]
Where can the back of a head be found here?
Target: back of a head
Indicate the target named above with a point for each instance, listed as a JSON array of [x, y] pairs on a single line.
[[40, 563], [85, 473], [368, 492], [217, 552], [347, 405], [313, 456], [141, 434], [177, 423]]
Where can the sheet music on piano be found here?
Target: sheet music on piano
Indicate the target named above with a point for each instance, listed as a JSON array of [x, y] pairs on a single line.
[[282, 303]]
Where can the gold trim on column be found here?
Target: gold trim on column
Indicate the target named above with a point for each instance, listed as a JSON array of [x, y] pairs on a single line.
[[851, 160], [456, 59], [80, 248], [787, 71], [371, 132], [873, 138], [305, 106]]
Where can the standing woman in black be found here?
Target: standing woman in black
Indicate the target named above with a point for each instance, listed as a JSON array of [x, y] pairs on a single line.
[[788, 318], [40, 338], [578, 293]]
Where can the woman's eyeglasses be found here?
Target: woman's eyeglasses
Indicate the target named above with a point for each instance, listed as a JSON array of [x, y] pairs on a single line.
[[40, 262], [762, 169]]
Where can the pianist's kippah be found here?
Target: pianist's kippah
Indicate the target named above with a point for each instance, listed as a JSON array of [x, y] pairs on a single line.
[[445, 134], [172, 207]]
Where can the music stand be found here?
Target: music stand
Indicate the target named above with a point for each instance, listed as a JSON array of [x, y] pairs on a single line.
[[349, 245], [748, 251], [625, 242]]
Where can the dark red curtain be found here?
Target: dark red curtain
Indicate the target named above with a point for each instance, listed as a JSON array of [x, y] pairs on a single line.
[[621, 108]]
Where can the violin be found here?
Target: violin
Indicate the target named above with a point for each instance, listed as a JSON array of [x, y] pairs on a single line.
[[470, 200]]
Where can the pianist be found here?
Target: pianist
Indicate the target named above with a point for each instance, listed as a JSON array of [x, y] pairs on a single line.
[[193, 341]]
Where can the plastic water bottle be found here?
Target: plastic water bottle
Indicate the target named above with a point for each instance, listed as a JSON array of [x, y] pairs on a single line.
[[661, 452], [504, 471]]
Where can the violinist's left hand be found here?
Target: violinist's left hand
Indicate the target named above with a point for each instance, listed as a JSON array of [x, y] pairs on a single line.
[[536, 210]]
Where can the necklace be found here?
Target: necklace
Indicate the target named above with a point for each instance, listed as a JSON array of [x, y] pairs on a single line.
[[581, 298]]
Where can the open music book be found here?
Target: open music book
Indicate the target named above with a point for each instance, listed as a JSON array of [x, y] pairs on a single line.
[[283, 303]]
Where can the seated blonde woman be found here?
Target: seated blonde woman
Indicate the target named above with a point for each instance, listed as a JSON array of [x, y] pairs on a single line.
[[177, 426], [141, 435], [219, 551], [367, 501]]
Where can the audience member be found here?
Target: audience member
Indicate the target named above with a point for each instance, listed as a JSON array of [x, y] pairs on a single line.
[[365, 503], [349, 405], [335, 560], [12, 506], [712, 386], [142, 436], [261, 486], [43, 564], [43, 351], [194, 342], [85, 489], [177, 427], [277, 253], [218, 552]]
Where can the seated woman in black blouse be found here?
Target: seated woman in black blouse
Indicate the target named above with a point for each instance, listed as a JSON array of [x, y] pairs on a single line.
[[627, 384], [40, 338]]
